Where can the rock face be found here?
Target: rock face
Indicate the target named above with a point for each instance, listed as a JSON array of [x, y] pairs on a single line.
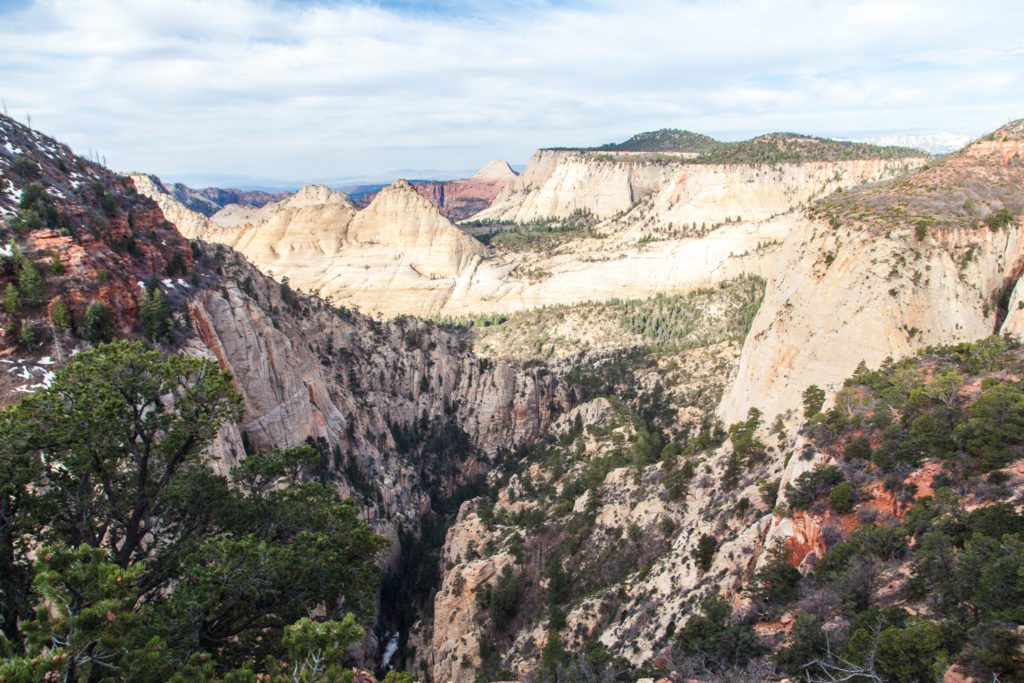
[[395, 256], [848, 289], [668, 227], [460, 199], [402, 413], [210, 200], [558, 182], [308, 372]]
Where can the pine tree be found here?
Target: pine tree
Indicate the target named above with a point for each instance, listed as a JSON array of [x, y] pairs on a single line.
[[30, 281], [59, 316], [12, 299], [155, 315], [553, 656], [99, 324]]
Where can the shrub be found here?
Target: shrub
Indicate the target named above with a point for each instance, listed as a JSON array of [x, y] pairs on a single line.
[[809, 485], [503, 600], [777, 582], [997, 220], [704, 554], [98, 323], [30, 282], [842, 497], [25, 168], [712, 637], [996, 520]]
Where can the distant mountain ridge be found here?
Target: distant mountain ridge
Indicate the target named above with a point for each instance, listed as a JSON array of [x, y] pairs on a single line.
[[776, 147], [210, 200], [455, 199]]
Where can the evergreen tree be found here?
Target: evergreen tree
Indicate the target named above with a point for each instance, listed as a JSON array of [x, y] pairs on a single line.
[[155, 314], [30, 282], [59, 316], [12, 299], [98, 324], [134, 580], [553, 656], [814, 399]]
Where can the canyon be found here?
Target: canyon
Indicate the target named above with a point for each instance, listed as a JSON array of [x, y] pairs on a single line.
[[586, 382]]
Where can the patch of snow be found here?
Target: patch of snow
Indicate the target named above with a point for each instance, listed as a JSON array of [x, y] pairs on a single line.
[[7, 250], [45, 360], [167, 282], [389, 650], [183, 283], [142, 285]]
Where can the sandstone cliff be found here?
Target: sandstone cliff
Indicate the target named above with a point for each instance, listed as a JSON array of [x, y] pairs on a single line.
[[864, 277], [460, 199], [673, 227], [395, 256]]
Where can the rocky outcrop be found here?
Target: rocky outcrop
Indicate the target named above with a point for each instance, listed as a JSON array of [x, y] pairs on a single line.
[[854, 289], [668, 227], [308, 372], [190, 223], [397, 255], [460, 199], [557, 183]]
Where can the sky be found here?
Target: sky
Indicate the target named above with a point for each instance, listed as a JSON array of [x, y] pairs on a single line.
[[250, 92]]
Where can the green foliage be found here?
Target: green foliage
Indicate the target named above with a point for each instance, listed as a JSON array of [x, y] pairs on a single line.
[[30, 282], [704, 553], [155, 314], [139, 580], [814, 399], [772, 148], [503, 600], [553, 655], [37, 209], [12, 299], [808, 644], [86, 610], [999, 219], [677, 482], [559, 585], [25, 168], [712, 638], [60, 316], [314, 645], [842, 497], [667, 526], [28, 335], [98, 323], [966, 567], [995, 521], [994, 429], [777, 582], [742, 435], [541, 234], [56, 266], [810, 485], [911, 654]]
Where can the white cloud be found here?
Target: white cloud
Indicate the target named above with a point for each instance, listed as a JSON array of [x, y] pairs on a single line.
[[303, 90]]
